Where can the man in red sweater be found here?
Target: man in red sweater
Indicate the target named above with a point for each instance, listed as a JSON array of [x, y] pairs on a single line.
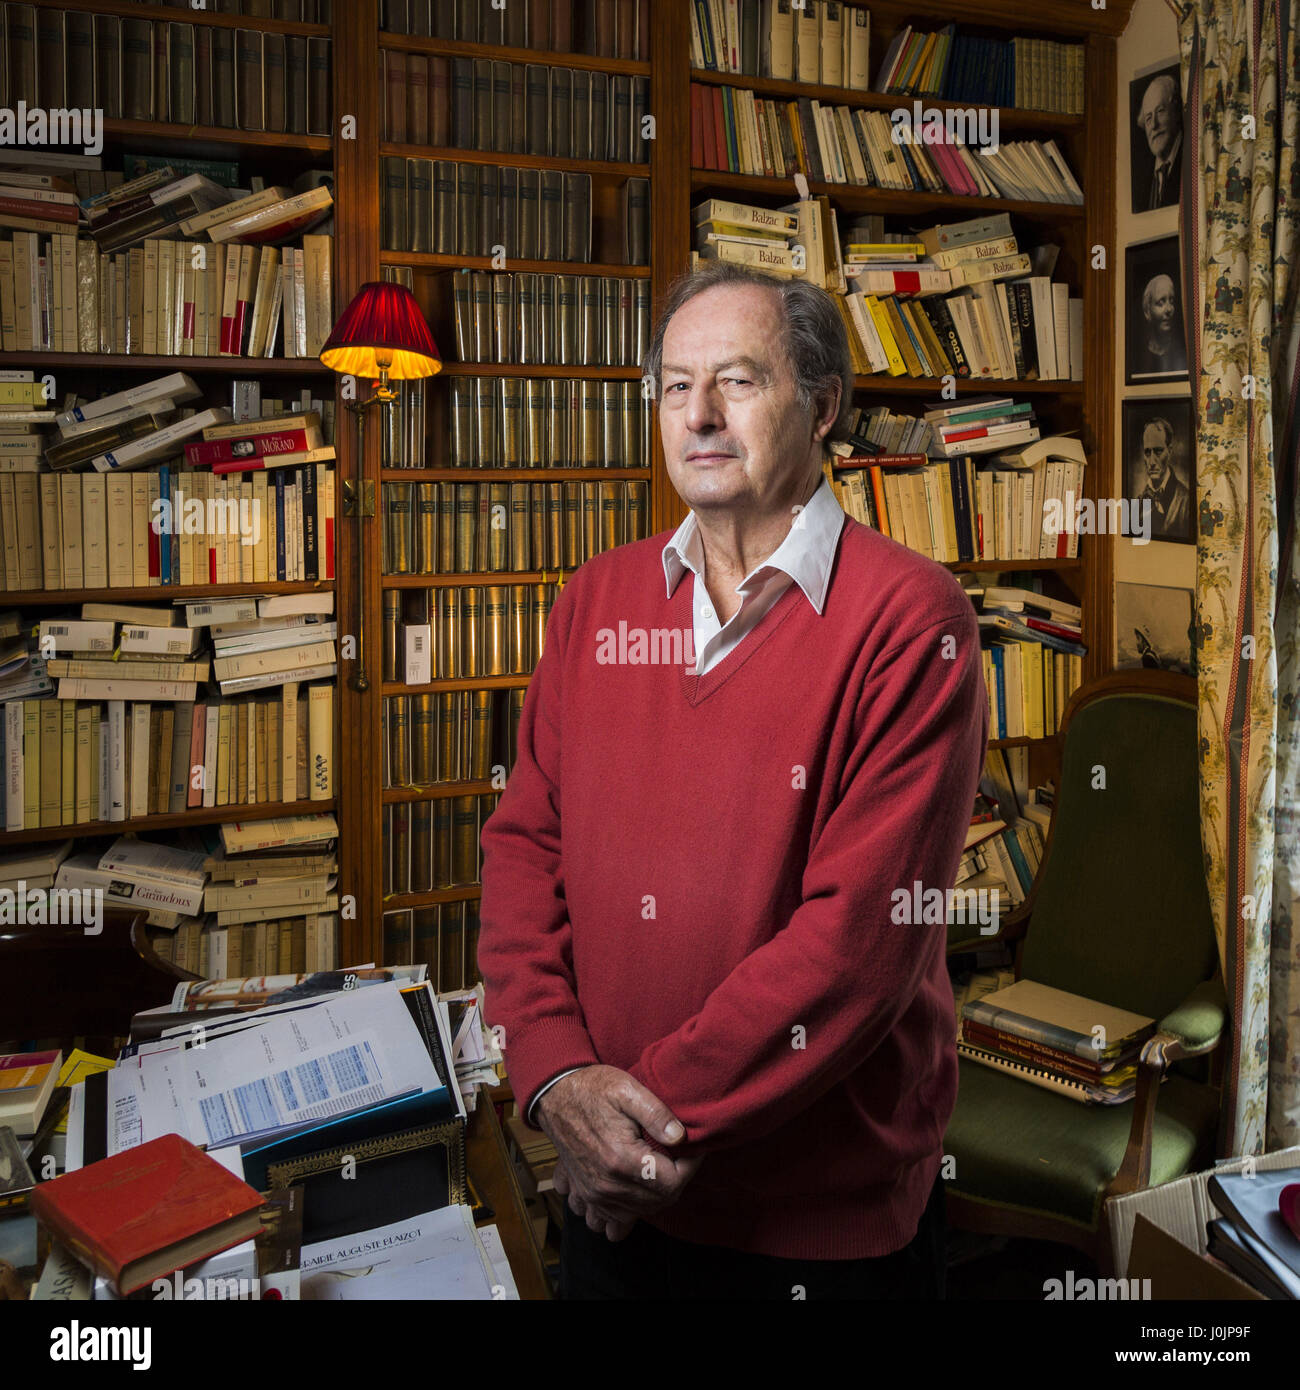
[[739, 742]]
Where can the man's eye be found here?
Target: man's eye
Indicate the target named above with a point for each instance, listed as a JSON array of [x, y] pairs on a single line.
[[675, 386], [739, 380]]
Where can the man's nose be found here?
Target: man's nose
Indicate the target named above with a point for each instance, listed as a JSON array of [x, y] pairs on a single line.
[[704, 409]]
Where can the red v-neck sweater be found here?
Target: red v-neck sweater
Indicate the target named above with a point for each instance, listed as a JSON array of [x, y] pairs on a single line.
[[690, 878]]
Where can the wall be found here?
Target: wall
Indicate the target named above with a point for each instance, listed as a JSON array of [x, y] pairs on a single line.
[[1150, 41]]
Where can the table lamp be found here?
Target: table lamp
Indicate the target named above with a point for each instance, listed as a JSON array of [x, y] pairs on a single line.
[[380, 336]]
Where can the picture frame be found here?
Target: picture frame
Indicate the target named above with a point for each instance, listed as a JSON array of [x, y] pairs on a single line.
[[1153, 628], [1155, 137], [1155, 337], [1160, 464]]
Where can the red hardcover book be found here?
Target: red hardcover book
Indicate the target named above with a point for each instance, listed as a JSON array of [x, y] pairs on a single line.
[[141, 1214], [719, 130], [708, 158], [50, 212], [207, 452], [697, 128], [198, 729]]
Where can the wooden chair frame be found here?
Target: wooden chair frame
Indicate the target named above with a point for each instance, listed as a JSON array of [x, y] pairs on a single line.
[[1159, 1053]]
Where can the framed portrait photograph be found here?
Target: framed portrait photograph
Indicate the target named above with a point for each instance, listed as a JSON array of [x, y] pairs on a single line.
[[1153, 628], [1156, 137], [1160, 464], [1155, 339]]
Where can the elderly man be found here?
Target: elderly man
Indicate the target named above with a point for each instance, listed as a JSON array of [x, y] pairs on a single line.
[[1171, 500], [1160, 119], [746, 1067]]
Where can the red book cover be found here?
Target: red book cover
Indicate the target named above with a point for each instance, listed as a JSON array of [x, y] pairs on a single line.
[[719, 131], [50, 212], [240, 327], [141, 1214], [25, 1071], [207, 452], [229, 347], [155, 554], [198, 732], [697, 132], [710, 143]]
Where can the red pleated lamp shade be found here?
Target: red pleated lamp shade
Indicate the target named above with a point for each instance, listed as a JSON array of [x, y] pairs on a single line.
[[383, 324]]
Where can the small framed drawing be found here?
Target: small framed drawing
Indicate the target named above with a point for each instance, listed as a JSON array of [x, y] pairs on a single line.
[[1160, 465], [1153, 628], [1155, 342]]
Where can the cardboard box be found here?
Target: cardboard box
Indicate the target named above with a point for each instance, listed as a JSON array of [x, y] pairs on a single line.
[[1179, 1209], [1175, 1272]]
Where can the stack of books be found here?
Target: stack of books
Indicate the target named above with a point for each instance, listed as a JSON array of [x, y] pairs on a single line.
[[1078, 1047], [28, 872], [1257, 1234], [1033, 658], [958, 299], [271, 912], [170, 262], [27, 1081], [132, 730], [136, 489]]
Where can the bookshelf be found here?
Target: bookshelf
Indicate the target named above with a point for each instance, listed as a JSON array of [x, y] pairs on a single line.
[[258, 153], [358, 51]]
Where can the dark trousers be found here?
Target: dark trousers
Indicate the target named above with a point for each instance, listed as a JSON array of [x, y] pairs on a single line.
[[651, 1265]]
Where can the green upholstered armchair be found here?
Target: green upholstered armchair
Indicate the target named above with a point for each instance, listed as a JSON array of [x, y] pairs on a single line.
[[1120, 913]]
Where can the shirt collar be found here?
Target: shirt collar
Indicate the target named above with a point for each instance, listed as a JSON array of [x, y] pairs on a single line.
[[806, 554]]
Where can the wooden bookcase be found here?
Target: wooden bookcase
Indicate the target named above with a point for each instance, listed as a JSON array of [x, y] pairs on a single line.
[[1087, 141]]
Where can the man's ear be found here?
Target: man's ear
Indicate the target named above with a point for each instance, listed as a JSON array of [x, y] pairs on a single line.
[[828, 412]]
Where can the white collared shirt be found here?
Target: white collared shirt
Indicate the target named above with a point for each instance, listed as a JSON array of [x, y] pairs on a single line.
[[804, 558]]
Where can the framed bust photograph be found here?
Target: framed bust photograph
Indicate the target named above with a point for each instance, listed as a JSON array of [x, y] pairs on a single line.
[[1160, 464], [1156, 137], [1155, 340]]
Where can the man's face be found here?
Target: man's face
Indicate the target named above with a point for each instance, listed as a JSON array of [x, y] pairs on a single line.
[[735, 436], [1159, 306], [1155, 455], [1160, 117]]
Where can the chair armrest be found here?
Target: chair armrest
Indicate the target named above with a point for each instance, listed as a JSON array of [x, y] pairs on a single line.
[[1193, 1028]]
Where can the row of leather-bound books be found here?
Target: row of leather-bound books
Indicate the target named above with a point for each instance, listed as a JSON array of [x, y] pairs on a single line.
[[514, 108], [441, 206], [434, 844], [472, 630], [562, 320], [603, 28], [491, 528], [162, 70], [521, 422], [453, 736], [444, 937]]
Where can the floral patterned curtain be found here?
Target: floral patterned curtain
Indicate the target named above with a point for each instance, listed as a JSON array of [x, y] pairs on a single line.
[[1241, 190]]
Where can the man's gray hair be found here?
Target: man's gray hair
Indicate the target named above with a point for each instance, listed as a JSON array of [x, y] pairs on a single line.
[[814, 339]]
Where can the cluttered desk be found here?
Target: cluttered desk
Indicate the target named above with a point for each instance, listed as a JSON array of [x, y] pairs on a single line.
[[314, 1136]]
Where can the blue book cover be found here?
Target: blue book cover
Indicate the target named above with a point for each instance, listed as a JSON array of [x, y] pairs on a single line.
[[279, 523], [1000, 675], [165, 532]]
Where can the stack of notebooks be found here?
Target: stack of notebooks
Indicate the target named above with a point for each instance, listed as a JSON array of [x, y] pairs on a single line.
[[1062, 1042], [1257, 1234]]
